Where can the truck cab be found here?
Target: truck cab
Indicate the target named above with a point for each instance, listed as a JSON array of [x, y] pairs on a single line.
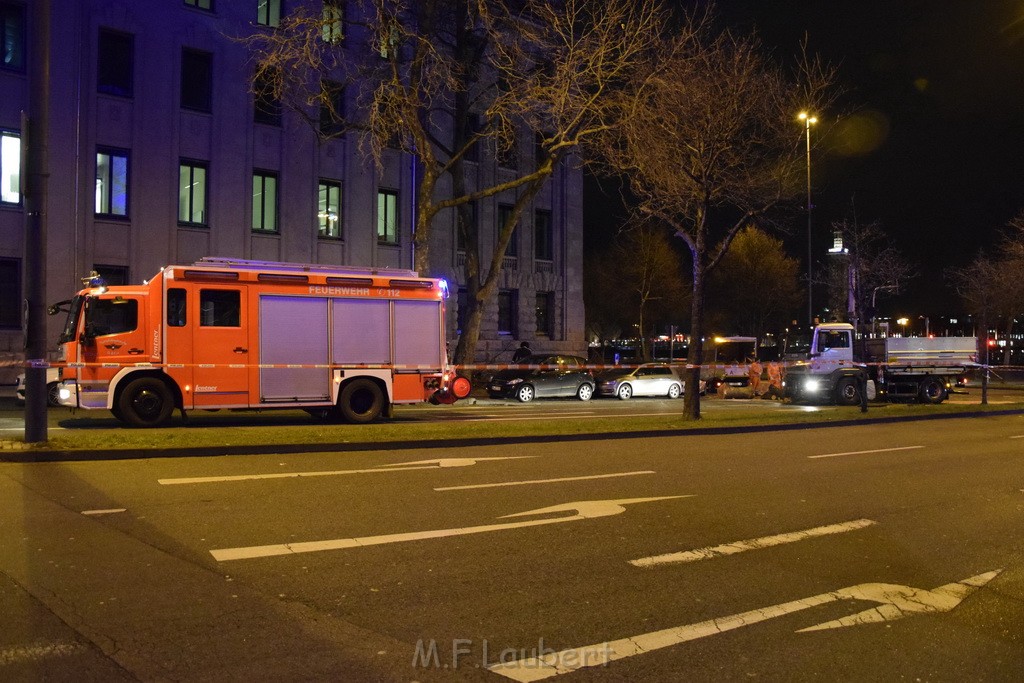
[[824, 369]]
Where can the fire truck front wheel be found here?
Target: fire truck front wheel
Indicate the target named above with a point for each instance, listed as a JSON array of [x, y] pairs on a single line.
[[361, 401], [145, 402]]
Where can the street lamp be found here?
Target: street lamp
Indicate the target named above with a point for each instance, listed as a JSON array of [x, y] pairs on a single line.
[[808, 120], [902, 322]]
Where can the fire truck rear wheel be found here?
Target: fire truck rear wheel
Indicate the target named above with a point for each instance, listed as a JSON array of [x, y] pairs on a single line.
[[361, 401], [145, 402]]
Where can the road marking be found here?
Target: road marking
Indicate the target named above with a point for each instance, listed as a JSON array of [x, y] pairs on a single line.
[[877, 450], [1021, 436], [586, 509], [394, 467], [33, 653], [751, 544], [542, 481], [555, 416], [895, 602], [109, 511]]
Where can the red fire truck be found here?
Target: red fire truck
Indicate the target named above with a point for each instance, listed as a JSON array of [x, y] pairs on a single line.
[[222, 333]]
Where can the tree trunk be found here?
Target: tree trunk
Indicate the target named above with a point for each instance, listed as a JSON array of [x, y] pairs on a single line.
[[694, 358]]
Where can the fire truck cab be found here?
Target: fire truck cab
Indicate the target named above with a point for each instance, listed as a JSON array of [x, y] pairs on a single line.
[[338, 342]]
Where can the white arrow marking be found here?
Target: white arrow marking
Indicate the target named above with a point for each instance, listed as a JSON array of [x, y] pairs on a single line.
[[941, 599], [394, 467], [543, 481], [877, 450], [750, 544], [587, 509], [109, 511]]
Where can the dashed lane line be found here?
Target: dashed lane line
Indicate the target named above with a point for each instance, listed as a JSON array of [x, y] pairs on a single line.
[[876, 450], [750, 544]]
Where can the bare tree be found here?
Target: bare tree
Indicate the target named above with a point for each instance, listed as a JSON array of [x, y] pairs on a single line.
[[710, 145], [440, 79]]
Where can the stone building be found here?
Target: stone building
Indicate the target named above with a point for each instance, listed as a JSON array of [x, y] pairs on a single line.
[[157, 154]]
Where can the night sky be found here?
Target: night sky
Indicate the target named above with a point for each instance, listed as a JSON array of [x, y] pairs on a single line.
[[928, 139]]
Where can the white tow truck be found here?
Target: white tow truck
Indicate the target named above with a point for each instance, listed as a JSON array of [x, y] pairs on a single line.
[[833, 366]]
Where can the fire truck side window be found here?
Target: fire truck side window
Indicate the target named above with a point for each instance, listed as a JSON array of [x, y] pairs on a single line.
[[220, 308], [112, 316], [176, 307]]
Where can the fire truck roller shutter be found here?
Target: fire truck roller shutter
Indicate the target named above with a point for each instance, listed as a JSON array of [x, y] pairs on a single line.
[[418, 334], [360, 332], [293, 331]]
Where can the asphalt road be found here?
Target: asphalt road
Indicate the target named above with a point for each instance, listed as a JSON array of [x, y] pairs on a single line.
[[903, 543]]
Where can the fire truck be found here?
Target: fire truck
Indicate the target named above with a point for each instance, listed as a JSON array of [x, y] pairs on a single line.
[[339, 342]]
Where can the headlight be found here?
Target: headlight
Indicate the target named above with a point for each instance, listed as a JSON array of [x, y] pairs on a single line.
[[516, 380], [812, 385]]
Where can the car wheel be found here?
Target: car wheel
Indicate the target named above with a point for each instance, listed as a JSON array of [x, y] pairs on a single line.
[[625, 392], [525, 393], [585, 392], [675, 391], [53, 393]]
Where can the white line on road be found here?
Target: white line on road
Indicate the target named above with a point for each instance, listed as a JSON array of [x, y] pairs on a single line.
[[1020, 436], [895, 602], [33, 653], [542, 481], [877, 450], [394, 467], [109, 511], [751, 544]]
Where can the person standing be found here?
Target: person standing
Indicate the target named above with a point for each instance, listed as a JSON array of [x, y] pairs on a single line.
[[754, 373], [522, 353]]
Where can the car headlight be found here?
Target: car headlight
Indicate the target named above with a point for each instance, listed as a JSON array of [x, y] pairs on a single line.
[[812, 385], [516, 380]]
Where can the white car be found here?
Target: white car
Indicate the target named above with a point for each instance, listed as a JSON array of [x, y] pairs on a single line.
[[52, 382]]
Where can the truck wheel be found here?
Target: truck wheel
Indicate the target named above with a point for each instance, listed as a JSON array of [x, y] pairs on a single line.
[[932, 390], [145, 402], [847, 392], [361, 401]]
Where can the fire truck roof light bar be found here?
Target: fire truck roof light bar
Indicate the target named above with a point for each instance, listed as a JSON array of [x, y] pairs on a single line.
[[252, 264]]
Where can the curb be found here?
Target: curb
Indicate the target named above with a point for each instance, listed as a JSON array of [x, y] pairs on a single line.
[[30, 455]]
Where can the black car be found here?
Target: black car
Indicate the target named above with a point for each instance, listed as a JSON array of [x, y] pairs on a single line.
[[559, 376]]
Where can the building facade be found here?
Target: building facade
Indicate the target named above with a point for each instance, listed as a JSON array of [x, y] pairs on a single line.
[[158, 153]]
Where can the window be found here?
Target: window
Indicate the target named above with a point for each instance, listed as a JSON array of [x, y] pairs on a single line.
[[114, 63], [264, 202], [329, 209], [507, 312], [268, 12], [10, 167], [508, 157], [465, 224], [539, 153], [543, 236], [111, 316], [332, 108], [504, 213], [388, 42], [112, 275], [192, 193], [12, 36], [10, 285], [176, 307], [462, 309], [833, 340], [112, 183], [200, 4], [267, 105], [545, 309], [196, 80], [333, 20], [387, 216], [220, 308]]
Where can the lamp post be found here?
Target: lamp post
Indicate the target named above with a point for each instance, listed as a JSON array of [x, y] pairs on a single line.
[[808, 120]]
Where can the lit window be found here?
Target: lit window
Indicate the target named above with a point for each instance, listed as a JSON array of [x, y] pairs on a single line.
[[268, 12], [264, 202], [387, 216], [111, 183], [192, 193], [329, 209], [333, 22], [10, 168]]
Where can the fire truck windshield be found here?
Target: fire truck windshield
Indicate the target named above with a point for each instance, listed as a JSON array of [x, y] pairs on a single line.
[[71, 322]]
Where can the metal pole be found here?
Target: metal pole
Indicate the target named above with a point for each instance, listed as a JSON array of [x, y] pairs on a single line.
[[810, 253], [34, 129]]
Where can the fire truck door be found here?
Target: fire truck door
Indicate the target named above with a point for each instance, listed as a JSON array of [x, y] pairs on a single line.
[[220, 344]]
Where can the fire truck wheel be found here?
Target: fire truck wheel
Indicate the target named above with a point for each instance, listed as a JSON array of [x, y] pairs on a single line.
[[52, 394], [932, 390], [847, 393], [361, 401], [145, 402]]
